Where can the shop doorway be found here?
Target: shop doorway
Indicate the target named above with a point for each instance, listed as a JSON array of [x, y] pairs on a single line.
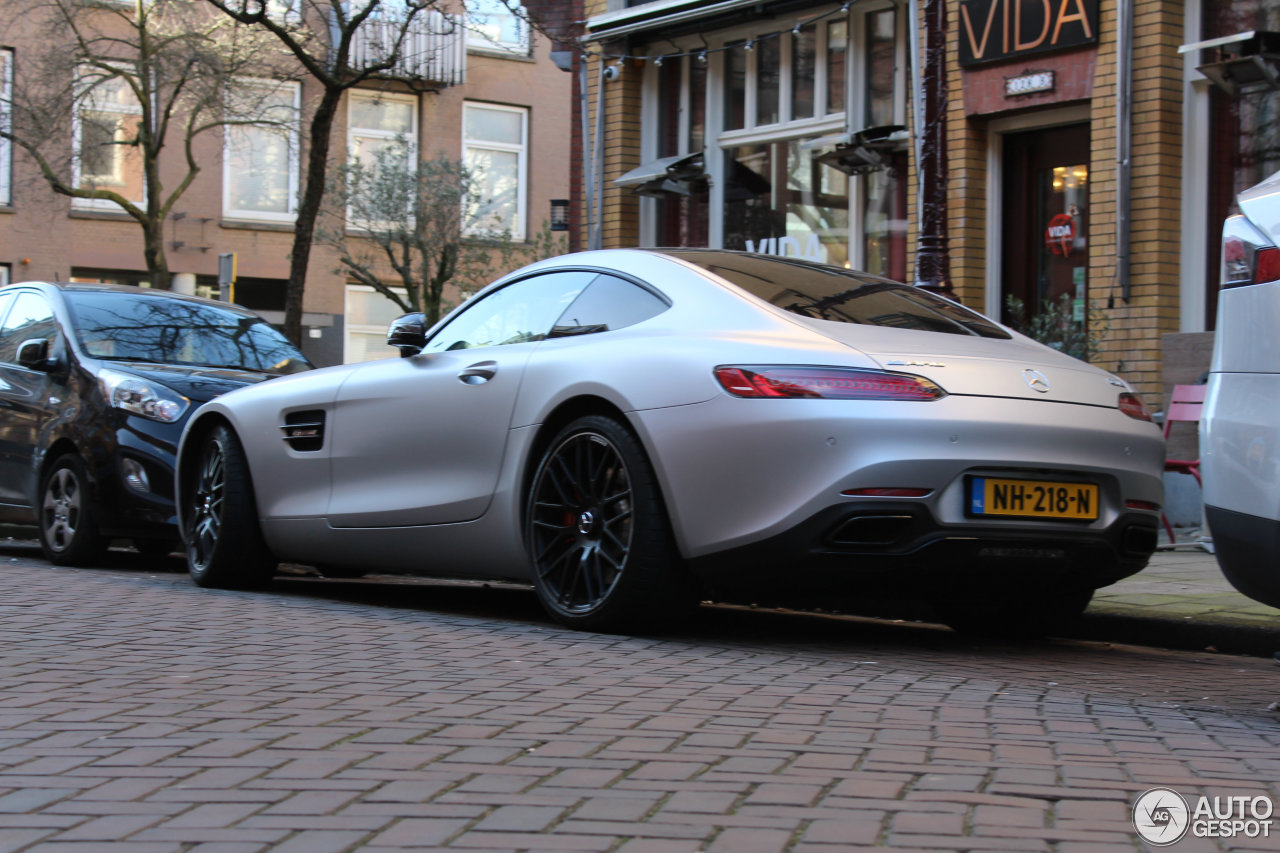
[[1045, 249]]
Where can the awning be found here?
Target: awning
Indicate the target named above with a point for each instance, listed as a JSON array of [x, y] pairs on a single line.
[[664, 175], [1245, 63], [660, 15]]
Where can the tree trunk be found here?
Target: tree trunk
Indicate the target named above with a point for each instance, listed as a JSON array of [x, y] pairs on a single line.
[[309, 212]]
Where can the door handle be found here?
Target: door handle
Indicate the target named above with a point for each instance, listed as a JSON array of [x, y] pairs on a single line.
[[478, 373]]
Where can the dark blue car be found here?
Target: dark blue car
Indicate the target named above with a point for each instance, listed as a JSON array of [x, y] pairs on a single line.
[[96, 383]]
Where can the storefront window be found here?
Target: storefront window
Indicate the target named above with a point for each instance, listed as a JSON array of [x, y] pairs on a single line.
[[804, 58], [735, 87], [768, 80], [780, 201], [697, 104], [837, 48], [1244, 135], [880, 67], [885, 220]]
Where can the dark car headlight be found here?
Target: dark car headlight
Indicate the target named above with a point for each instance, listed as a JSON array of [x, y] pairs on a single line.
[[143, 397]]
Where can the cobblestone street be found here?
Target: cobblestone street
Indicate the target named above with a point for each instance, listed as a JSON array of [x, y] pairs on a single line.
[[140, 713]]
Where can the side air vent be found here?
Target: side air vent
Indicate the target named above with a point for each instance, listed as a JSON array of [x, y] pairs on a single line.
[[304, 430]]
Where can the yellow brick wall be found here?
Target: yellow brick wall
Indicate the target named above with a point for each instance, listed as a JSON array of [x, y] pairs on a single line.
[[1132, 344]]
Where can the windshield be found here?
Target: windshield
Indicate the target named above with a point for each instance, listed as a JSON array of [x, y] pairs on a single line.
[[829, 293], [158, 328]]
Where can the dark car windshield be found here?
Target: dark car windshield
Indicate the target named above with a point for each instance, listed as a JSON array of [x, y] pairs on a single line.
[[829, 293], [157, 328]]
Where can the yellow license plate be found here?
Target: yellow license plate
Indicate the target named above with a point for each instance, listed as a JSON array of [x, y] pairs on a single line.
[[1032, 499]]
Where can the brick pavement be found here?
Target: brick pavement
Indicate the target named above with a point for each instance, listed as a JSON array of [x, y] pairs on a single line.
[[139, 713]]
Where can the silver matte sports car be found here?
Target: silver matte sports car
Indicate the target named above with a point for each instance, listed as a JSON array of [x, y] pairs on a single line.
[[633, 431]]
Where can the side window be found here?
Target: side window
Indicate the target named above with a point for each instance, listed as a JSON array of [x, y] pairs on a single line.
[[608, 303], [31, 317], [518, 313]]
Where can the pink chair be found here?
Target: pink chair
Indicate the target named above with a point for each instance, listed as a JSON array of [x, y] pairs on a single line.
[[1185, 405]]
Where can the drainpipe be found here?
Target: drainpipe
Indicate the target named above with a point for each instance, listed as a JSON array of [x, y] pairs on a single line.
[[607, 73], [588, 197], [933, 264], [1124, 153], [917, 90]]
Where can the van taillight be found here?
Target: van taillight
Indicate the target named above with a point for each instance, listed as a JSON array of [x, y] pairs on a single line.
[[1248, 256]]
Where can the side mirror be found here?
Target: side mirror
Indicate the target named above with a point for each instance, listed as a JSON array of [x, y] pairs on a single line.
[[34, 354], [408, 334]]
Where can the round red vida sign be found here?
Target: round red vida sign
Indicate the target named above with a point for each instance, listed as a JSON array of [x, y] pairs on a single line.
[[1060, 234]]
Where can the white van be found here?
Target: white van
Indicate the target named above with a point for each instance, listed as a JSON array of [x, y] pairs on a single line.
[[1240, 426]]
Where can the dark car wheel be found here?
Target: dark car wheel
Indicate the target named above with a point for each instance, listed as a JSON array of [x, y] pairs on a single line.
[[1015, 616], [68, 532], [597, 531], [225, 549]]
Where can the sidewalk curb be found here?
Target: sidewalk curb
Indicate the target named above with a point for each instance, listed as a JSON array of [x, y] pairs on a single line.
[[1189, 634]]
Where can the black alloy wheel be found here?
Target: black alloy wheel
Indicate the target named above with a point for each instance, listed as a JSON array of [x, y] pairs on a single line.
[[224, 542], [68, 533], [597, 531]]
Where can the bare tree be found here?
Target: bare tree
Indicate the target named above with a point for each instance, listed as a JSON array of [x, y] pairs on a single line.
[[341, 44], [108, 87], [425, 223]]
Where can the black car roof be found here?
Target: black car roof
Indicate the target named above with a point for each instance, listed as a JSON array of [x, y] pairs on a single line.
[[127, 289]]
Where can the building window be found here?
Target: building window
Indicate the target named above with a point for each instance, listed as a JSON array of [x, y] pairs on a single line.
[[494, 143], [781, 77], [104, 133], [763, 109], [260, 162], [779, 200], [368, 315], [493, 25], [380, 124], [6, 124]]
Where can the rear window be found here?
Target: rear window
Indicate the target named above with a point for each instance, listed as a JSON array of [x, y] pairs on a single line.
[[824, 292]]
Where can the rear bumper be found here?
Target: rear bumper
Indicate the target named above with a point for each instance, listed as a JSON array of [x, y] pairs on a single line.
[[1248, 551], [899, 550]]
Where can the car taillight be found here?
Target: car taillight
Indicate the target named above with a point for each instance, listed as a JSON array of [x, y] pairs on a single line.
[[1132, 405], [824, 383], [1248, 256]]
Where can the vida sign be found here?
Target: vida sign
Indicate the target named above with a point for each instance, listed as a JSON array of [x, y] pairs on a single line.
[[994, 30]]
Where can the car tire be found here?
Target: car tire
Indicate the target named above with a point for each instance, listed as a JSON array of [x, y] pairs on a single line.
[[1012, 617], [69, 534], [597, 532], [223, 538]]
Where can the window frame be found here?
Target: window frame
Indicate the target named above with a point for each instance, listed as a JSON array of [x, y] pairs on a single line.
[[6, 124], [295, 156], [117, 182], [520, 232], [350, 328], [355, 134], [480, 43]]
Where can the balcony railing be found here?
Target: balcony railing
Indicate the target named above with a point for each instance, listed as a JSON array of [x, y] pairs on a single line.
[[433, 49]]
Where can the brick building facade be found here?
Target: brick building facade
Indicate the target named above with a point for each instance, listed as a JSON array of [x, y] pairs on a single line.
[[509, 80]]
